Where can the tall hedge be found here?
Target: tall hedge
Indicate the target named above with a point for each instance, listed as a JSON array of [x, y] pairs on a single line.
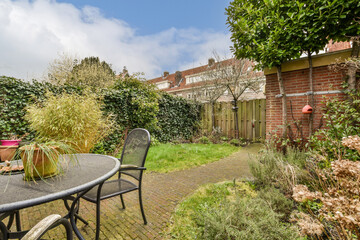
[[15, 95], [177, 118], [132, 103]]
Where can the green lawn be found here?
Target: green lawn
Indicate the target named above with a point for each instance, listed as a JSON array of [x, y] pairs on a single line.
[[169, 157]]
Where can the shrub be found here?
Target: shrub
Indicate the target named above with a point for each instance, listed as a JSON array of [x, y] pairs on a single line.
[[184, 224], [204, 140], [342, 119], [15, 95], [337, 198], [178, 118], [154, 141], [73, 118], [277, 201], [247, 218], [131, 102], [235, 142], [272, 168], [224, 139]]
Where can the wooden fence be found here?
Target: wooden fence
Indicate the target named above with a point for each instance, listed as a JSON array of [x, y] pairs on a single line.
[[251, 115]]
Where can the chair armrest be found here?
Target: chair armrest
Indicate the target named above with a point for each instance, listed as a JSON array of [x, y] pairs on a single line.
[[46, 224], [131, 167]]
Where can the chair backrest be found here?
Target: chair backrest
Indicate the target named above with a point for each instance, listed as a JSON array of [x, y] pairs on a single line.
[[135, 150]]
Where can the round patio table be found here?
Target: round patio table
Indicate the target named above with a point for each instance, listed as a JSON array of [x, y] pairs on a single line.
[[80, 176]]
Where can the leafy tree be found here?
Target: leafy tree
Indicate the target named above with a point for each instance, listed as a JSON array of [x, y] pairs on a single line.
[[263, 32], [93, 73], [343, 22], [59, 70], [89, 72], [318, 21]]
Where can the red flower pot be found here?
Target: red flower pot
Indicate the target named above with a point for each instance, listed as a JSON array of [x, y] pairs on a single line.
[[10, 142]]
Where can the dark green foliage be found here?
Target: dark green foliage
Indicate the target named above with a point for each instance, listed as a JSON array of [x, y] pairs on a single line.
[[204, 140], [262, 31], [15, 95], [277, 201], [90, 72], [178, 118], [342, 119], [235, 142], [246, 218], [132, 103]]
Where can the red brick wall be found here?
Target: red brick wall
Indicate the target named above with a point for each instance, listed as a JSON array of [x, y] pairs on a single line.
[[298, 82]]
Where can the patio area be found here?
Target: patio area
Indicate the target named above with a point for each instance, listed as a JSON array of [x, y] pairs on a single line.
[[161, 193]]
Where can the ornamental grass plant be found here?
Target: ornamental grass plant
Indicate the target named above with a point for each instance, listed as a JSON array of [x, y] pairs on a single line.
[[71, 118]]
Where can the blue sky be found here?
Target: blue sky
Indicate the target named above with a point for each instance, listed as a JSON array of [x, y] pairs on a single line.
[[151, 16], [143, 35]]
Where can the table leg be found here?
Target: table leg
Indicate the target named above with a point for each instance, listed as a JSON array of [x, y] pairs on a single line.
[[77, 216], [72, 213]]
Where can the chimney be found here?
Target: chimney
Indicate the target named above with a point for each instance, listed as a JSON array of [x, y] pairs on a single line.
[[211, 62], [166, 74]]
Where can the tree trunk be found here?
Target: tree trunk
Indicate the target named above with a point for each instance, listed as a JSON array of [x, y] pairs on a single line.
[[312, 101], [283, 101], [236, 120], [213, 115], [351, 73]]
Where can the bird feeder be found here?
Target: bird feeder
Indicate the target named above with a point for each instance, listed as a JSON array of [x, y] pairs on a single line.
[[307, 109]]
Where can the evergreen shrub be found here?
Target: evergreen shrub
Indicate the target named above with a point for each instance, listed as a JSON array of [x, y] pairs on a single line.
[[131, 102]]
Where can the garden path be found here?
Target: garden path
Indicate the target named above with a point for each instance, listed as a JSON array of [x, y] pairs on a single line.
[[161, 193]]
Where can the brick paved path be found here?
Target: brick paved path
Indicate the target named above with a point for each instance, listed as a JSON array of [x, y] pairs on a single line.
[[161, 193]]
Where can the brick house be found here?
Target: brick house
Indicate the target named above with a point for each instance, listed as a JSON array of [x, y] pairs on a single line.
[[188, 83], [295, 73]]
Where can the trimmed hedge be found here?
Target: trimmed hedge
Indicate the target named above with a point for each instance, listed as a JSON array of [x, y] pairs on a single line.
[[177, 118], [132, 103]]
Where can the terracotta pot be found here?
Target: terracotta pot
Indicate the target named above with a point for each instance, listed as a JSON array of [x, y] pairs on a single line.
[[10, 142], [41, 166], [7, 152]]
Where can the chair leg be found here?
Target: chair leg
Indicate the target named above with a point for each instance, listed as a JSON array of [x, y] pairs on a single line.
[[97, 219], [141, 207], [98, 198], [122, 201]]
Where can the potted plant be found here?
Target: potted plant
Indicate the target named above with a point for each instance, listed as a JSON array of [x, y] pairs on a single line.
[[44, 159], [8, 146]]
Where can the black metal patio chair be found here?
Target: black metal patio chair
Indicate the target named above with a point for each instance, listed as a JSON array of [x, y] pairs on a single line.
[[132, 161]]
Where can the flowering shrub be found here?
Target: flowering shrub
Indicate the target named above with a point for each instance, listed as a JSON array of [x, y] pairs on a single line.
[[338, 197]]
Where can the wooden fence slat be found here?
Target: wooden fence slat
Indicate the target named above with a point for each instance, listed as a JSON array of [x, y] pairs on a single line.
[[250, 113]]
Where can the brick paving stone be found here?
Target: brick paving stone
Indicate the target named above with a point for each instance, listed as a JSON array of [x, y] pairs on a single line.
[[161, 194]]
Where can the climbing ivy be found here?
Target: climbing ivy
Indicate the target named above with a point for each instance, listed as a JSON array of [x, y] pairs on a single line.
[[131, 103], [177, 118]]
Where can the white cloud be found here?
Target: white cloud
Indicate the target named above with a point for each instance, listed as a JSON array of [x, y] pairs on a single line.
[[34, 32]]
